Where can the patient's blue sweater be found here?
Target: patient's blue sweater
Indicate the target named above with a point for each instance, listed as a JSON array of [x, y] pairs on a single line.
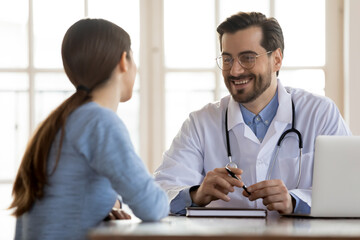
[[97, 164]]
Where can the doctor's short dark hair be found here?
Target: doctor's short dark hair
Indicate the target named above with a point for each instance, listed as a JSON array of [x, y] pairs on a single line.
[[272, 34]]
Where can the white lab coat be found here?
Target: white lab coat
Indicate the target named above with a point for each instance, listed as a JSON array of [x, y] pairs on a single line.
[[200, 146]]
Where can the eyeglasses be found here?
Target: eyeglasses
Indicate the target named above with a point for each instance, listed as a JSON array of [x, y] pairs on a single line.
[[246, 60]]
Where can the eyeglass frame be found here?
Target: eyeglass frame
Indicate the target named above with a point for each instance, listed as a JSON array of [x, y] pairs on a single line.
[[232, 60]]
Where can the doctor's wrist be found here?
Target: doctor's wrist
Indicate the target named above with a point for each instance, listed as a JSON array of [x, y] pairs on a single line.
[[293, 202], [192, 192]]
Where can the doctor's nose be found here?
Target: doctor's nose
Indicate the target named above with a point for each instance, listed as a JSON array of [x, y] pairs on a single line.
[[236, 68]]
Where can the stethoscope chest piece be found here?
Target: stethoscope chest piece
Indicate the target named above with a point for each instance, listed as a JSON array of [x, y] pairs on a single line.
[[231, 165]]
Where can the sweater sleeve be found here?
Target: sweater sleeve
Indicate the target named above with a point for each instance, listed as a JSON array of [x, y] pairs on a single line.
[[112, 155]]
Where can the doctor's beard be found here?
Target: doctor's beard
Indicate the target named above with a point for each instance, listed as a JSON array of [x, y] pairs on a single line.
[[260, 85]]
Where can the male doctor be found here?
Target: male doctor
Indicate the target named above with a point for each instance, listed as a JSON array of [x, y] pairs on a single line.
[[258, 111]]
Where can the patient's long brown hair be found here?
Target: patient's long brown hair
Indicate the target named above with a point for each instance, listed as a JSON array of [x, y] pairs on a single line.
[[91, 49]]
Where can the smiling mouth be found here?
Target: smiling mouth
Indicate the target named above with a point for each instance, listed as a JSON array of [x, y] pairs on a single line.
[[241, 81]]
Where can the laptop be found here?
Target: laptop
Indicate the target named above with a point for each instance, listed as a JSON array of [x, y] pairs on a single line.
[[336, 178]]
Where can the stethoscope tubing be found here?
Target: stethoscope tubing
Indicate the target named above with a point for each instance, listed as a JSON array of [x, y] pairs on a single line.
[[282, 137]]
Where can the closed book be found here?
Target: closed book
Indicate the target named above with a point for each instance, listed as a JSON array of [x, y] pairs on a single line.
[[224, 212]]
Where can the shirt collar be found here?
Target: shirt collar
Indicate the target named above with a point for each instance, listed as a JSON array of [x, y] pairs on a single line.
[[235, 116], [266, 115]]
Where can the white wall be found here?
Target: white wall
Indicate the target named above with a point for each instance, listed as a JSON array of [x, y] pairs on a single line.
[[352, 64]]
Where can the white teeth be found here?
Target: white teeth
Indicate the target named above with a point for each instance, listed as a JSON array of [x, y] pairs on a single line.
[[241, 82]]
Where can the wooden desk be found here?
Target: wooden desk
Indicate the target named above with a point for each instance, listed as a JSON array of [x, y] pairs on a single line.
[[181, 228]]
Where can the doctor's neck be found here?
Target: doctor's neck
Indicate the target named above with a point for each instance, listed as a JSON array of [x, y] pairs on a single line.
[[258, 104]]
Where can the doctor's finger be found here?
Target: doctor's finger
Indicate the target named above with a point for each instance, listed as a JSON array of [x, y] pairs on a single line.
[[265, 184], [213, 190], [237, 171], [222, 183], [234, 181], [245, 194], [224, 190], [268, 191], [273, 199], [218, 194], [282, 207], [212, 179]]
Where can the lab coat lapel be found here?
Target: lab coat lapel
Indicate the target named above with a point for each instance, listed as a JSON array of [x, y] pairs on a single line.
[[280, 122], [235, 118]]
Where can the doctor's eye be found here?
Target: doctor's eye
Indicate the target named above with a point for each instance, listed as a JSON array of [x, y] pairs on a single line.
[[227, 60], [247, 58]]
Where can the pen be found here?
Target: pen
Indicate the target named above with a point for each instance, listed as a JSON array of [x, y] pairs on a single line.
[[234, 176]]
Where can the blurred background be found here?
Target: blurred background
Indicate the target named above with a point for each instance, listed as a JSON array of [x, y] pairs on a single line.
[[175, 45]]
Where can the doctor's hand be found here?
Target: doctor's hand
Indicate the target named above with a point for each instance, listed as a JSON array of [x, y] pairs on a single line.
[[216, 185], [274, 193]]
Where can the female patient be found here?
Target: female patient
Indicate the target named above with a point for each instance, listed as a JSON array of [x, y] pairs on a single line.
[[81, 158]]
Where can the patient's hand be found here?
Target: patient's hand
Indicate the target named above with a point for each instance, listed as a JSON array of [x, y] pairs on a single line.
[[117, 213]]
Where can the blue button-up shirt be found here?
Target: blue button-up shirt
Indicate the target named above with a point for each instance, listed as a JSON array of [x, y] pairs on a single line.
[[260, 123]]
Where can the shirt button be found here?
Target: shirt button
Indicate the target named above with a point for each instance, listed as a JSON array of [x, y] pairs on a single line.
[[266, 122], [257, 118]]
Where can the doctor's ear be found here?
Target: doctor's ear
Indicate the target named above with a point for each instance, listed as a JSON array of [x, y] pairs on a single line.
[[277, 59], [124, 63]]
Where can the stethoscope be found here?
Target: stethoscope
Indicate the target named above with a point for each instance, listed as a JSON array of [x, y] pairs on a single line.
[[291, 130]]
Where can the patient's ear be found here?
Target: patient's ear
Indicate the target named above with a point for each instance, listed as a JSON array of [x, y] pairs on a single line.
[[123, 64]]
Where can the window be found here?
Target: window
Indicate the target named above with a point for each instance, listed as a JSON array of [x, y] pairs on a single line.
[[174, 43], [304, 55], [33, 83]]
